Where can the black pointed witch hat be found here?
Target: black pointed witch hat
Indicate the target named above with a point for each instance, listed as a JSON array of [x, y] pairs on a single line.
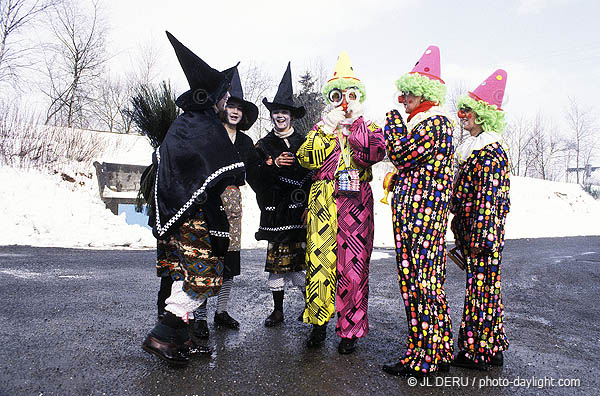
[[237, 96], [284, 98], [207, 85]]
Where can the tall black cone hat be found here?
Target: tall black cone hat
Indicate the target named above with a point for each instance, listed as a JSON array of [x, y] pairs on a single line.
[[284, 98], [207, 85], [237, 96]]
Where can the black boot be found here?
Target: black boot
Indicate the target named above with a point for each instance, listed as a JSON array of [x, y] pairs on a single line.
[[347, 345], [317, 336], [200, 329], [402, 370], [223, 319], [497, 359], [274, 319], [461, 360], [276, 316], [164, 340]]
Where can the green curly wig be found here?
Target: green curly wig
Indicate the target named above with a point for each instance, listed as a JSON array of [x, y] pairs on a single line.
[[342, 84], [419, 85], [488, 116]]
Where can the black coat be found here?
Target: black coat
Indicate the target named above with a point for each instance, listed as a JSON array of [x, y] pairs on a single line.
[[282, 193], [194, 163], [245, 148]]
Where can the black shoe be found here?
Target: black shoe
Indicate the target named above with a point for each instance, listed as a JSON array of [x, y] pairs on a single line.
[[347, 345], [402, 370], [497, 359], [443, 367], [223, 319], [160, 316], [191, 348], [167, 351], [463, 361], [274, 319], [201, 329], [317, 336]]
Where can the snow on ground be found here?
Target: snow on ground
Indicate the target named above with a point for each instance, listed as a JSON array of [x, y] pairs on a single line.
[[45, 210], [42, 209]]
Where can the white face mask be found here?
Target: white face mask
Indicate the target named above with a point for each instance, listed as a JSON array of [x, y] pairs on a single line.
[[282, 120]]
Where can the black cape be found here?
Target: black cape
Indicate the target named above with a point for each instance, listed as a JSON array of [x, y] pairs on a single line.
[[194, 163], [245, 148], [281, 193]]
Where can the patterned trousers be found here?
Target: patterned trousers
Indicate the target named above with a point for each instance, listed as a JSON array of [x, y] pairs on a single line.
[[482, 331], [422, 273], [339, 254]]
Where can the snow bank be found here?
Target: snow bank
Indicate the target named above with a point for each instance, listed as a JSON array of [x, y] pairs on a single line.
[[46, 210], [539, 209]]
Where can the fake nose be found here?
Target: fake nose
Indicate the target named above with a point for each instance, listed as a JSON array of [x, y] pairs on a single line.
[[464, 114], [344, 104]]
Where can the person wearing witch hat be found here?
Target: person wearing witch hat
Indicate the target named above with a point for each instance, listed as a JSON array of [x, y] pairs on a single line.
[[340, 149], [238, 116], [281, 188], [193, 165], [480, 203], [422, 152]]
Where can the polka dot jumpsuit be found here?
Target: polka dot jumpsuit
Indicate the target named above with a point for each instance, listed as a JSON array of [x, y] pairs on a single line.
[[480, 204], [423, 157]]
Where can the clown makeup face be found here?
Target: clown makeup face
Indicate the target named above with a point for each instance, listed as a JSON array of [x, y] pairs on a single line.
[[282, 120], [233, 113], [467, 120], [411, 102]]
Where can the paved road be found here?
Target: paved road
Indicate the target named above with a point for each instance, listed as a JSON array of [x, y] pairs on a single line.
[[71, 323]]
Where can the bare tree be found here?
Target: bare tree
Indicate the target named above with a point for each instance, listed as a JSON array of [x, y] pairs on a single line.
[[518, 136], [74, 63], [582, 139], [145, 61], [545, 149], [458, 89], [109, 109], [257, 84], [15, 17]]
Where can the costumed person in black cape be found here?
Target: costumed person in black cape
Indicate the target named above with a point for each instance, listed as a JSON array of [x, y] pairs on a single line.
[[282, 190], [239, 115], [194, 164]]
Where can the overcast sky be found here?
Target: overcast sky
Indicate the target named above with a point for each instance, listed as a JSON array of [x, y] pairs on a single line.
[[550, 48]]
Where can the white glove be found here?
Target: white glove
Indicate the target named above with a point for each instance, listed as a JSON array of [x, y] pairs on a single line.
[[332, 119], [357, 109]]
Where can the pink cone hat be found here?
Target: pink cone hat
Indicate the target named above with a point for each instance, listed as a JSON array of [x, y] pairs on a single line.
[[429, 64], [492, 89]]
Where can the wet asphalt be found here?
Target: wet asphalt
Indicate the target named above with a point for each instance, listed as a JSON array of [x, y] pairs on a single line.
[[72, 322]]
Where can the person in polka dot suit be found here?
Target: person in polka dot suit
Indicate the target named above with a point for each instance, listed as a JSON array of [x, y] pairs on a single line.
[[480, 203], [422, 152]]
